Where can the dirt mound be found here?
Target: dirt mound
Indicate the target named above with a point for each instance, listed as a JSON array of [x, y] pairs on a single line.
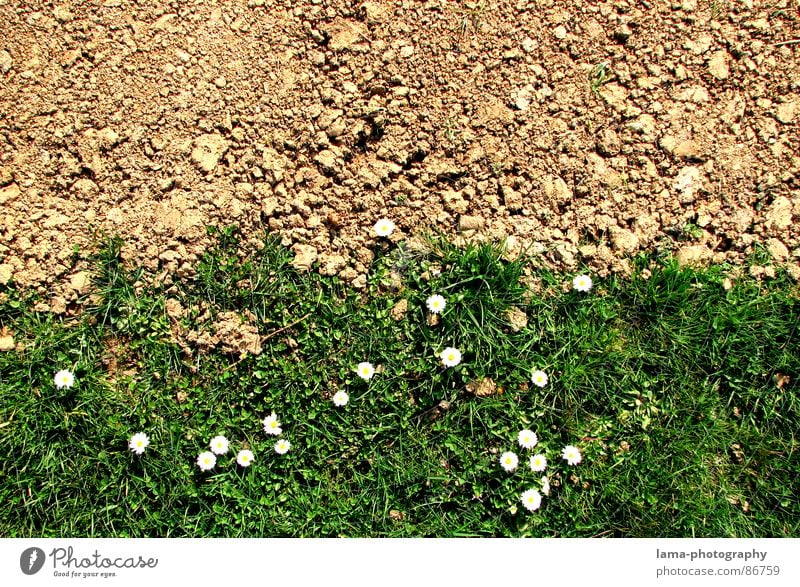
[[586, 130]]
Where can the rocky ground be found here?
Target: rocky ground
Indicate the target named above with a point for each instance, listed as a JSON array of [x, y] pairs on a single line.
[[585, 131]]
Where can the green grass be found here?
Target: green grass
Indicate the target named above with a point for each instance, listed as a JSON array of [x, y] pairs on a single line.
[[665, 383]]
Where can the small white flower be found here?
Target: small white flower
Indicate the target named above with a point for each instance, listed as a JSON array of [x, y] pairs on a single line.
[[365, 370], [450, 357], [539, 378], [436, 304], [340, 398], [531, 499], [527, 438], [538, 463], [138, 442], [282, 446], [545, 485], [571, 454], [271, 425], [64, 378], [219, 445], [582, 283], [244, 458], [206, 461], [509, 461], [512, 510], [384, 227]]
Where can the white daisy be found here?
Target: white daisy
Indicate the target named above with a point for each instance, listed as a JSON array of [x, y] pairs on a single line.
[[245, 457], [582, 283], [365, 370], [509, 461], [539, 378], [531, 499], [282, 446], [527, 438], [436, 304], [219, 445], [383, 227], [206, 461], [538, 463], [571, 454], [545, 485], [271, 425], [64, 378], [138, 442], [340, 398], [450, 357]]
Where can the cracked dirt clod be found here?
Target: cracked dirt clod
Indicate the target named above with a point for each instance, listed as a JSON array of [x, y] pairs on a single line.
[[517, 319], [304, 256], [5, 62], [399, 310], [208, 150], [482, 387], [777, 249], [779, 214], [6, 273], [6, 340], [236, 335], [693, 255]]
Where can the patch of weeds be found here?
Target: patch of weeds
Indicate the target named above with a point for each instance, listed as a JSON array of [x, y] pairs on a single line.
[[718, 8], [692, 231], [600, 74], [686, 232], [759, 256], [471, 16], [453, 132]]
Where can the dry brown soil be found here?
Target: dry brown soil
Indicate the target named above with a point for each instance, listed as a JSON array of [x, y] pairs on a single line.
[[585, 131]]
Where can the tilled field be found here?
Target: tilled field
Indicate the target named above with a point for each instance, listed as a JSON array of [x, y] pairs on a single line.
[[585, 131]]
